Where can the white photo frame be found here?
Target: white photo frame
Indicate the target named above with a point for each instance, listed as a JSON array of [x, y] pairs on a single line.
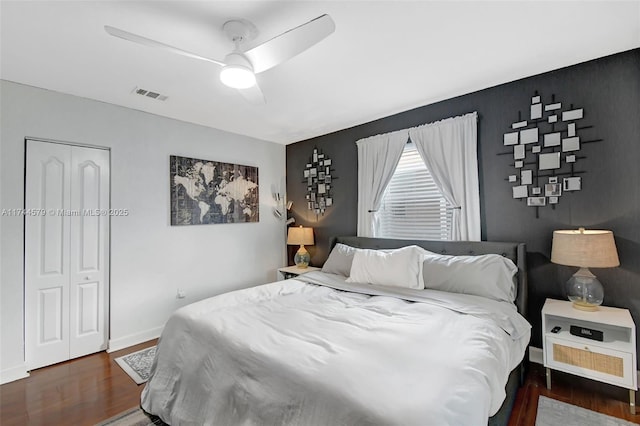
[[549, 161], [551, 139], [572, 184], [520, 191], [571, 144], [536, 201], [574, 114], [510, 138], [552, 190], [536, 111], [529, 136]]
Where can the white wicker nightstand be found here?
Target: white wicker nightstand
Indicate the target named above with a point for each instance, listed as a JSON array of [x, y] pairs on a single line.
[[612, 360]]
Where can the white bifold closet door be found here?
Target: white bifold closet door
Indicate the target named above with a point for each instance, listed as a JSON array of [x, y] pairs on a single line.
[[66, 252]]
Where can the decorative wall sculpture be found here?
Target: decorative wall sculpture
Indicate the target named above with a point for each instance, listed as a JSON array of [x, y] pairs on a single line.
[[205, 191], [319, 181], [545, 150]]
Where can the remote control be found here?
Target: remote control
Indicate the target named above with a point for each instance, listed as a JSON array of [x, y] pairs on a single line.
[[556, 329]]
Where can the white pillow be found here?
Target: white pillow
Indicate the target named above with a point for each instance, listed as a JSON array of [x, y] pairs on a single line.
[[489, 275], [399, 268], [339, 260]]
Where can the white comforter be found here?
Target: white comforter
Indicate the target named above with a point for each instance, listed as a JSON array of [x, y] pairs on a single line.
[[293, 353]]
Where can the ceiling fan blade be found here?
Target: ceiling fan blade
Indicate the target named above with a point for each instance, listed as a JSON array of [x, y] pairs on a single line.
[[253, 94], [116, 32], [289, 44]]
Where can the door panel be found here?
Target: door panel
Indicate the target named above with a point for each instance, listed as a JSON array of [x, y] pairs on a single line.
[[46, 254], [54, 183], [50, 315], [88, 308], [89, 239], [89, 250]]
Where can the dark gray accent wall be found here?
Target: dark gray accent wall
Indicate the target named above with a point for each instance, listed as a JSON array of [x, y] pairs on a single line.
[[609, 91]]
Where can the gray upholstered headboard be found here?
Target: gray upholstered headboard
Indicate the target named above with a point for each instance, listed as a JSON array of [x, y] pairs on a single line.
[[514, 251]]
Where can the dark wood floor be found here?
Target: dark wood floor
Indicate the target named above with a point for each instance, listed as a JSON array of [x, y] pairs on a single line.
[[83, 391], [88, 390], [600, 397]]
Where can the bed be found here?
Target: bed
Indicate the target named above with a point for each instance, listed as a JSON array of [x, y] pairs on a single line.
[[330, 349]]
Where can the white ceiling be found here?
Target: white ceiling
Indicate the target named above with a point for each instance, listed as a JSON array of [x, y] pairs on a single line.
[[384, 57]]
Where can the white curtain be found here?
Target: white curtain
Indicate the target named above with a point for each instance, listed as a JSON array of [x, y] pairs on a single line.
[[378, 157], [449, 149]]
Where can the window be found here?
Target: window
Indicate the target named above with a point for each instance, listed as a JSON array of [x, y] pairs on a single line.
[[412, 206]]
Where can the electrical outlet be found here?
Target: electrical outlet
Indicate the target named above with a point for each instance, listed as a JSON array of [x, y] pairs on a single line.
[[181, 294]]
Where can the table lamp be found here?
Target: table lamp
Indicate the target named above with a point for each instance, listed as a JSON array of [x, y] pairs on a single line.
[[302, 236], [585, 249]]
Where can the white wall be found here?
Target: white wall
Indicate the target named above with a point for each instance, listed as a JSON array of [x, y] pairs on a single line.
[[149, 258]]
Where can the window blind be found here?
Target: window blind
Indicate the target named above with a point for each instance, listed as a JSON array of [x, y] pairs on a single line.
[[412, 206]]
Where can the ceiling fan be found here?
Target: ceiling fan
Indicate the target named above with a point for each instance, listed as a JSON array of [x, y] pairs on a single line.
[[240, 66]]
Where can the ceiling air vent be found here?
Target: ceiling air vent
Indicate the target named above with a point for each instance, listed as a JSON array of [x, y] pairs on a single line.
[[149, 94]]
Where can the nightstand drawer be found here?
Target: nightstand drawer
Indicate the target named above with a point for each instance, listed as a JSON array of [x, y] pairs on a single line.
[[610, 366]]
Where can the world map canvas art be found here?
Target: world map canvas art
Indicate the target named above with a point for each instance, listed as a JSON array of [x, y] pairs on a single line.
[[204, 192]]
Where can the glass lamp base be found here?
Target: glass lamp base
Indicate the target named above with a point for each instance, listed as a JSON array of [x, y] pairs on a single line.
[[584, 306], [302, 258], [585, 291]]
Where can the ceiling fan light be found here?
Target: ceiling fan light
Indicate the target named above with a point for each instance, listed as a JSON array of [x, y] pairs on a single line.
[[237, 76]]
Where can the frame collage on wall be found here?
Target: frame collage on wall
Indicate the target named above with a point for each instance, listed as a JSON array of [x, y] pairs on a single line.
[[545, 149], [318, 176]]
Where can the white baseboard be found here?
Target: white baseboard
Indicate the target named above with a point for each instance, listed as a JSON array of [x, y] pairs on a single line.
[[13, 374], [133, 339], [535, 355], [20, 371]]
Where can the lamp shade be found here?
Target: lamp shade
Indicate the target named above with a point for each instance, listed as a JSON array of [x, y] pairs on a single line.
[[584, 248], [300, 236]]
